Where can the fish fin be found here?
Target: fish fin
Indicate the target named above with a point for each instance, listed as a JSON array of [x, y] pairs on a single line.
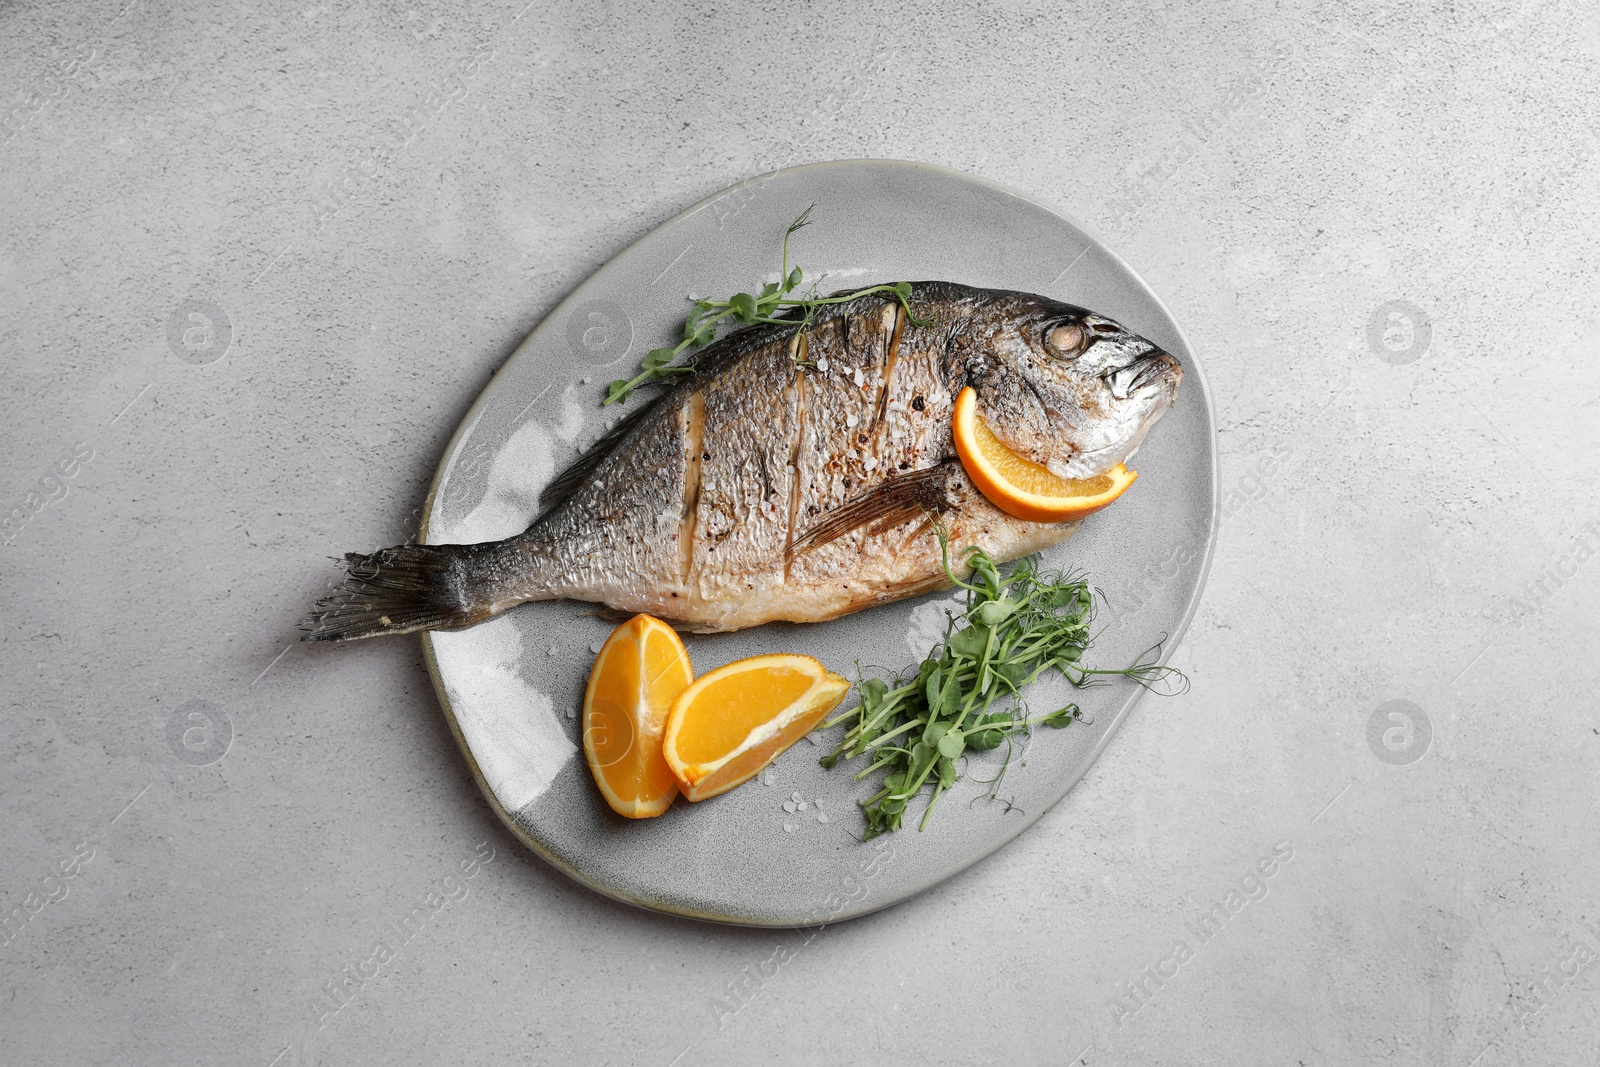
[[397, 591], [617, 618], [581, 468], [609, 615], [890, 503]]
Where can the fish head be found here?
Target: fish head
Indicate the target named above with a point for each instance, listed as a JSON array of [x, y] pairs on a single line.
[[1068, 388]]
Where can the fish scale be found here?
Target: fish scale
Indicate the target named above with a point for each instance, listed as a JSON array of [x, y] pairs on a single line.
[[841, 430], [742, 525]]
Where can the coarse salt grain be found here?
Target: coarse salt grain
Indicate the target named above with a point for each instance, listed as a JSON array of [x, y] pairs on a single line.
[[788, 805], [871, 464], [851, 420]]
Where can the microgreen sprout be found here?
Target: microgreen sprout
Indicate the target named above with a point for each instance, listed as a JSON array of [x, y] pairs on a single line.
[[915, 727], [783, 295]]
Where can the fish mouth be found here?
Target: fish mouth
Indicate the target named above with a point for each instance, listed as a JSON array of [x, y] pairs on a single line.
[[1155, 369]]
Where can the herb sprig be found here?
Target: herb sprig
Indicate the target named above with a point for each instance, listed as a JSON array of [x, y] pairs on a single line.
[[915, 727], [700, 327]]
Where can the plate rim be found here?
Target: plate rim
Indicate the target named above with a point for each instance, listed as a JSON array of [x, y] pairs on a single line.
[[470, 419]]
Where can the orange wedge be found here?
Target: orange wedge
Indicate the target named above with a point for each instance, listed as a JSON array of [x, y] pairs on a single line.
[[1020, 487], [734, 720], [640, 671]]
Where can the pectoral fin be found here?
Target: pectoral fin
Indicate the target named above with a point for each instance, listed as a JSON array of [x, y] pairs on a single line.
[[890, 503]]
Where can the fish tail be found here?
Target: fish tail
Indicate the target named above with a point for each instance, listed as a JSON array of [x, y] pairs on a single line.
[[399, 591]]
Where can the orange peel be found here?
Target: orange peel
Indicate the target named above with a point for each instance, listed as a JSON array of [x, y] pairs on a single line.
[[1017, 485], [735, 720], [639, 671]]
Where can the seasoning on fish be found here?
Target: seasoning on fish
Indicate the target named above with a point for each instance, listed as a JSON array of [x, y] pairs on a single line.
[[796, 474]]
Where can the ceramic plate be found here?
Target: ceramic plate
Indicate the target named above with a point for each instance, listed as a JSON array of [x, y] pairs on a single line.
[[512, 687]]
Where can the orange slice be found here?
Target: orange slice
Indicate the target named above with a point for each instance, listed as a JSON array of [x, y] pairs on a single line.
[[1020, 487], [734, 720], [640, 671]]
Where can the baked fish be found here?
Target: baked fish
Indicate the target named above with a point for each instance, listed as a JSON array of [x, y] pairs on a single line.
[[797, 473]]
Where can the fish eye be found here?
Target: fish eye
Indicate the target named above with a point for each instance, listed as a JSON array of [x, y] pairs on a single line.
[[1066, 340]]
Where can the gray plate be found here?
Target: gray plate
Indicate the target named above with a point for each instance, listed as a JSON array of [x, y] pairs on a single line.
[[511, 687]]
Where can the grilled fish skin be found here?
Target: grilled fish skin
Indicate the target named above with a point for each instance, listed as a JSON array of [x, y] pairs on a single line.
[[797, 473]]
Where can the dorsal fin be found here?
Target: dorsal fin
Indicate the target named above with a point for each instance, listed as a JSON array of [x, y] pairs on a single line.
[[707, 362], [579, 470]]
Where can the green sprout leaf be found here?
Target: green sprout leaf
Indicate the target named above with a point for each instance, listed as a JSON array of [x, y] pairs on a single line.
[[995, 612], [952, 745], [1064, 717]]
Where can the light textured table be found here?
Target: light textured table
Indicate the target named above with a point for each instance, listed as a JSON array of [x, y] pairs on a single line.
[[256, 260]]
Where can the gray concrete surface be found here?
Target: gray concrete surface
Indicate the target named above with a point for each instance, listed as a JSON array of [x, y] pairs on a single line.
[[1378, 226]]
